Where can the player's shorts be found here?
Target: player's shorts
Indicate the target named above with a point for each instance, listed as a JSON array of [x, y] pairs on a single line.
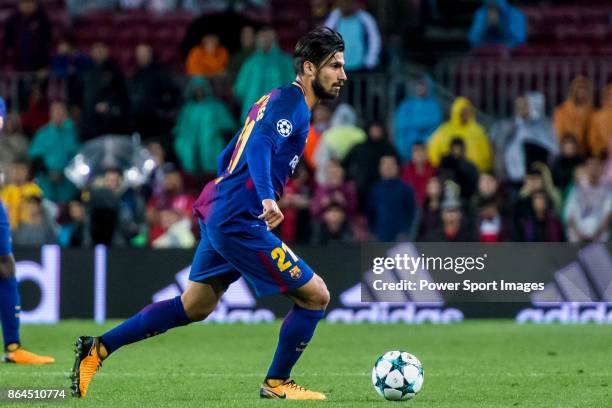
[[257, 254], [5, 232]]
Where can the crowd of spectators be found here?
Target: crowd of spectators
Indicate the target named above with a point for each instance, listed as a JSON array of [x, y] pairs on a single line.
[[527, 178], [76, 7]]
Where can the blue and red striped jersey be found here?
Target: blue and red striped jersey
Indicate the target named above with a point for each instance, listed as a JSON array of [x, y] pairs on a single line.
[[258, 161]]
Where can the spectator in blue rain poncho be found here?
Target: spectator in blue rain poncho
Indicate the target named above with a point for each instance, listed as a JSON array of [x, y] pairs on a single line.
[[417, 117], [498, 23]]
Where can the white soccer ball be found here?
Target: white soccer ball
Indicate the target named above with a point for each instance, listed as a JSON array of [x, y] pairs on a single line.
[[397, 375]]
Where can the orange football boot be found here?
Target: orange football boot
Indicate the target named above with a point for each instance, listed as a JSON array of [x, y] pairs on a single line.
[[86, 363], [288, 390], [23, 356]]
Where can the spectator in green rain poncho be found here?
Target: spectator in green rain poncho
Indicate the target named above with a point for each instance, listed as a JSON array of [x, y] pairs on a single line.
[[267, 68], [200, 129], [57, 141], [53, 147]]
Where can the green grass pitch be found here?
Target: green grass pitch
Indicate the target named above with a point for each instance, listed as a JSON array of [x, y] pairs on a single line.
[[470, 364]]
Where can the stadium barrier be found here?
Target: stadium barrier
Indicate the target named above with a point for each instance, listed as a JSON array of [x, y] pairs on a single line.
[[16, 86], [377, 95], [374, 95], [492, 84], [104, 283]]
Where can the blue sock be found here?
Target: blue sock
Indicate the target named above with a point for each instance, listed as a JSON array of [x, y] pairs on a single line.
[[154, 319], [295, 333], [9, 310]]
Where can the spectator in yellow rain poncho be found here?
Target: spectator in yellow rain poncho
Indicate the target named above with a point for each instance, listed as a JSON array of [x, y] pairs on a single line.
[[462, 125], [16, 192]]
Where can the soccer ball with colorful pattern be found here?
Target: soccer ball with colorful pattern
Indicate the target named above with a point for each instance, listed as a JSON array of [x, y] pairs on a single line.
[[397, 375]]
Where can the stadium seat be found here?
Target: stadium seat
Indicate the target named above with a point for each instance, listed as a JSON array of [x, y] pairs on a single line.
[[126, 29], [496, 51]]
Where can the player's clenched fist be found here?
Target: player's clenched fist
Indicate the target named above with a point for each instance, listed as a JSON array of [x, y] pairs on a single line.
[[272, 215]]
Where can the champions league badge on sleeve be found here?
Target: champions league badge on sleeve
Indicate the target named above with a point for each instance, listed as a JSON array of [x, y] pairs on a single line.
[[284, 127]]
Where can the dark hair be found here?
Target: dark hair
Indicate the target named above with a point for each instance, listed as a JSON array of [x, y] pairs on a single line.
[[533, 171], [334, 205], [21, 161], [377, 123], [483, 202], [113, 169], [316, 47], [394, 156], [489, 173], [68, 38], [568, 137], [33, 199], [457, 141]]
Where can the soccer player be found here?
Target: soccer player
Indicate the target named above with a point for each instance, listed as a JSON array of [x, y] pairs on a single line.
[[9, 294], [237, 212]]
